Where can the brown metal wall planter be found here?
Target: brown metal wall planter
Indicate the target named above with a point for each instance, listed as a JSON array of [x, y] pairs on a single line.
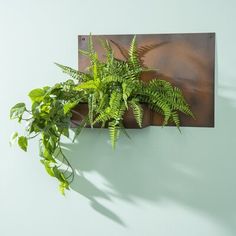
[[187, 60]]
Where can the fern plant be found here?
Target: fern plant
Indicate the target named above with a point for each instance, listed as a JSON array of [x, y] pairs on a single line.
[[110, 88]]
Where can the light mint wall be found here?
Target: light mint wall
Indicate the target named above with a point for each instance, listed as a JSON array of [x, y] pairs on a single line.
[[159, 183]]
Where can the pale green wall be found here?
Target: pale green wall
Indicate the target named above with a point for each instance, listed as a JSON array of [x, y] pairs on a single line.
[[159, 184]]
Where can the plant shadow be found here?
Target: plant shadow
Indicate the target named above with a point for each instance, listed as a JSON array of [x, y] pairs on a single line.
[[86, 188], [195, 168]]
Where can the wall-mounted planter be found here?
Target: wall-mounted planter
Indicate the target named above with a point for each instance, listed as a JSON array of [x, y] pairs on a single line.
[[121, 92], [185, 60]]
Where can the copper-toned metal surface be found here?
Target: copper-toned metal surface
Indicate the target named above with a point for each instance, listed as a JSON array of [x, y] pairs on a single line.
[[185, 60]]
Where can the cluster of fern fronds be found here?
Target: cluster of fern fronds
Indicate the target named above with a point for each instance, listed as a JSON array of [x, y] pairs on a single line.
[[113, 86]]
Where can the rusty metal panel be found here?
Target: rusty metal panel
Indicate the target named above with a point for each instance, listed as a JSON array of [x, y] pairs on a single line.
[[185, 60]]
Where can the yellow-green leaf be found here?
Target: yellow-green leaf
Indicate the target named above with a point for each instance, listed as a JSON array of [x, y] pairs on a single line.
[[17, 110], [68, 106], [13, 138], [37, 95], [23, 143]]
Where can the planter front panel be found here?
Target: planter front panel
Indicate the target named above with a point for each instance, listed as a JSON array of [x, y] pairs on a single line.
[[185, 60]]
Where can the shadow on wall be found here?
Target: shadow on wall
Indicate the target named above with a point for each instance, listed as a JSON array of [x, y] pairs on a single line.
[[196, 168]]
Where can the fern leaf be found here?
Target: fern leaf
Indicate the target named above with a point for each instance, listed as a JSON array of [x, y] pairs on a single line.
[[133, 50], [69, 105], [95, 67], [74, 73], [84, 52], [133, 54], [91, 106], [104, 116], [87, 85], [114, 131], [175, 118], [115, 100], [109, 52], [90, 44], [180, 103], [137, 111], [112, 79]]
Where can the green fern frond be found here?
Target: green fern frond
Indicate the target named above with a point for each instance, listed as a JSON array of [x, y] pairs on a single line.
[[91, 84], [137, 111], [115, 101], [90, 44], [94, 67], [112, 78], [93, 57], [108, 49], [168, 98], [103, 116], [114, 131], [175, 118], [104, 102], [133, 73], [180, 103], [84, 52], [159, 85], [116, 68], [166, 111], [75, 74], [91, 54], [133, 54], [133, 49], [126, 93], [69, 105], [158, 103], [91, 106], [120, 114]]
